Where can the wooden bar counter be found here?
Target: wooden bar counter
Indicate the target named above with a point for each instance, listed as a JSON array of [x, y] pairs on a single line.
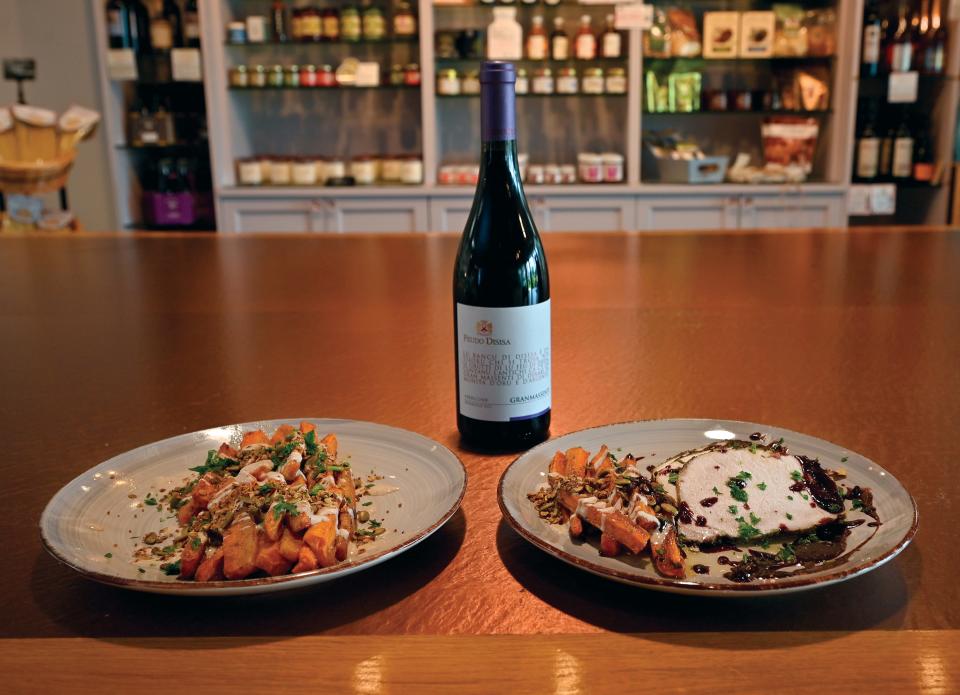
[[108, 342]]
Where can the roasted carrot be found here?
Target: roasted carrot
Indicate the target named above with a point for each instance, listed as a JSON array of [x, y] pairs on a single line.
[[321, 539], [594, 466], [273, 523], [559, 463], [307, 427], [186, 512], [290, 545], [282, 431], [191, 557], [306, 561], [271, 560], [204, 491], [211, 568], [298, 523], [609, 546], [575, 526], [330, 444], [255, 437], [290, 469], [240, 548], [577, 462], [626, 532], [666, 554], [228, 451]]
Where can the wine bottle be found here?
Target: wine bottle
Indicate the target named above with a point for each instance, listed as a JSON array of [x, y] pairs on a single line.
[[868, 149], [118, 25], [872, 33], [903, 152], [559, 41], [501, 291], [191, 24], [900, 46], [171, 12]]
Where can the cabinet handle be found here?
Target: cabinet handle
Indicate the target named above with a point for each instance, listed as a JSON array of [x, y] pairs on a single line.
[[747, 202]]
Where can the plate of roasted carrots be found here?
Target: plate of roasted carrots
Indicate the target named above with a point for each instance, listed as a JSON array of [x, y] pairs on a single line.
[[254, 507], [702, 506]]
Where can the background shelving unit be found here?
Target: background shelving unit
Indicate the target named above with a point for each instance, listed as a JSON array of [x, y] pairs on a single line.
[[345, 122]]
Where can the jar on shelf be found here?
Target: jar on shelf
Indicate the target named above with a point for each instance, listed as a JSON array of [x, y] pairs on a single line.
[[308, 76], [296, 25], [304, 171], [326, 77], [411, 75], [470, 84], [447, 175], [392, 169], [568, 173], [363, 169], [616, 81], [249, 172], [330, 24], [552, 174], [236, 32], [567, 82], [536, 173], [334, 169], [448, 83], [374, 25], [411, 171], [281, 171], [311, 25], [612, 167], [397, 75], [350, 28], [522, 85], [404, 21], [266, 168], [292, 78], [256, 28], [258, 76], [275, 77], [590, 167], [593, 81], [543, 81], [239, 77]]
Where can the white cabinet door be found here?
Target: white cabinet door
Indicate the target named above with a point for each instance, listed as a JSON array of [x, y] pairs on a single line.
[[693, 212], [449, 214], [272, 215], [378, 215], [793, 210], [585, 214]]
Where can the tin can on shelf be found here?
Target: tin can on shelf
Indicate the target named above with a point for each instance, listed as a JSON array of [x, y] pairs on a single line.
[[304, 171], [363, 169], [590, 167], [411, 170], [275, 77], [281, 171], [543, 81], [249, 171], [612, 167], [391, 169], [326, 77], [616, 81]]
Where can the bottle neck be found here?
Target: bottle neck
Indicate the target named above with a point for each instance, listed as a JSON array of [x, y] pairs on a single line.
[[498, 129]]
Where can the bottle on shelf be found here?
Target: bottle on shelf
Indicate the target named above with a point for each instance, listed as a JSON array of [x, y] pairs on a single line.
[[900, 42], [171, 13], [118, 24], [404, 20], [139, 26], [885, 166], [161, 33], [279, 21], [611, 42], [191, 24], [501, 291], [902, 167], [868, 147], [935, 47], [559, 41], [585, 44], [330, 24], [872, 37], [504, 35], [537, 44], [923, 165]]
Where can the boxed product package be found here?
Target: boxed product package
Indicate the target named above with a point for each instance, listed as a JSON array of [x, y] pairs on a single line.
[[821, 25], [684, 36], [790, 36], [756, 34], [683, 91], [790, 140], [720, 34]]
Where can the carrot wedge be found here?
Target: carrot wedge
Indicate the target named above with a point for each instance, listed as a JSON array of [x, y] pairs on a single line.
[[282, 431], [240, 548], [191, 557], [255, 437], [666, 554], [307, 427], [559, 463], [290, 545], [211, 569], [575, 526], [321, 539], [609, 546], [596, 461], [577, 461], [273, 523], [330, 443], [625, 532], [272, 561], [306, 561]]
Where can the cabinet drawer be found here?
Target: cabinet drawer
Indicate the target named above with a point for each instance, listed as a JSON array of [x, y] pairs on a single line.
[[793, 210], [272, 215], [449, 214], [693, 212], [584, 214], [377, 215]]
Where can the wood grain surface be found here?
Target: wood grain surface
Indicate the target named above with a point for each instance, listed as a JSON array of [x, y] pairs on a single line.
[[110, 342]]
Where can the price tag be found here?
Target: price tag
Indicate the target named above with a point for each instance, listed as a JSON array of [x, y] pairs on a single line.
[[122, 64], [902, 87], [858, 200], [185, 65], [633, 15], [883, 199]]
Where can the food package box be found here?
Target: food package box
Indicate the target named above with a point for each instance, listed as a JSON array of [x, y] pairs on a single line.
[[685, 170], [756, 34], [720, 34], [790, 141], [169, 209]]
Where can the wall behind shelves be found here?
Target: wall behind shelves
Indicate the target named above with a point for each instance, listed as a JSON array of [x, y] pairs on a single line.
[[60, 36]]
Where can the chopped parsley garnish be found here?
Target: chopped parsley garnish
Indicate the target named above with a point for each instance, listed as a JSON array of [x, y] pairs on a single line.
[[737, 492], [796, 475], [215, 462], [195, 543], [732, 509], [754, 519], [753, 448], [762, 486], [843, 460], [141, 570], [366, 504], [171, 568], [672, 478], [786, 553], [152, 501], [858, 504], [310, 442], [612, 457], [790, 497], [745, 530], [743, 475], [715, 490], [316, 489], [108, 555], [280, 508], [789, 516], [266, 489], [805, 497], [282, 453], [375, 523]]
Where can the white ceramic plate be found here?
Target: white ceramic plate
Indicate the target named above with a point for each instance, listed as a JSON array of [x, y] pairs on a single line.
[[657, 440], [94, 515]]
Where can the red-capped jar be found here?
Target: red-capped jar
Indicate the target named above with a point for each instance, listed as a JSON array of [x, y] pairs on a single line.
[[411, 75], [326, 77], [308, 76]]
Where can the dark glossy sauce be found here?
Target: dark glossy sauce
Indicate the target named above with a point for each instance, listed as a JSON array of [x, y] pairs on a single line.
[[822, 487], [708, 501], [723, 560], [701, 521], [701, 569], [685, 514]]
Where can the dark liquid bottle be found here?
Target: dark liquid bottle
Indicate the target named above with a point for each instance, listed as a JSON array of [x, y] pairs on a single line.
[[872, 37], [501, 292]]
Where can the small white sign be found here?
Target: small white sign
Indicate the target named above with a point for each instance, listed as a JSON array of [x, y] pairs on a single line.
[[368, 74], [858, 200], [122, 64], [185, 64], [883, 199], [633, 15], [902, 87]]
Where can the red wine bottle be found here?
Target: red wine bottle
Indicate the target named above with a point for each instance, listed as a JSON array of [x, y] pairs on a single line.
[[501, 292]]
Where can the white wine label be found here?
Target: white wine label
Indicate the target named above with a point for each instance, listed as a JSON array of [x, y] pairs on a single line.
[[504, 361], [871, 44]]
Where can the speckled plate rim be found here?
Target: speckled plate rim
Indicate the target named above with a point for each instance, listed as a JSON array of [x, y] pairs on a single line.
[[262, 584], [693, 587]]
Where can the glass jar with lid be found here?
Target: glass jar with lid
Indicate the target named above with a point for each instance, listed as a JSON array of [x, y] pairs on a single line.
[[304, 171], [296, 25], [350, 28], [326, 77], [411, 170], [411, 75], [330, 24], [311, 25], [448, 82], [392, 169], [281, 171], [334, 171], [522, 85], [249, 172], [470, 84], [616, 81], [374, 25], [404, 21], [258, 76], [593, 81], [239, 77], [308, 76], [543, 81], [397, 75], [567, 82], [275, 77], [363, 169], [292, 78]]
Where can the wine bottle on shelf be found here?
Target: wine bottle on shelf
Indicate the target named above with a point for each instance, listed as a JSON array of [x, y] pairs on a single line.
[[611, 43], [900, 43], [923, 166], [279, 22], [501, 291], [585, 45], [903, 152], [537, 44], [872, 36], [868, 148], [139, 26], [118, 24], [191, 24], [559, 41], [171, 13], [885, 168], [935, 46]]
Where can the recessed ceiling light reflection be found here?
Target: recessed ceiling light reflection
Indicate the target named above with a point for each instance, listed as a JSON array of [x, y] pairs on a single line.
[[719, 434]]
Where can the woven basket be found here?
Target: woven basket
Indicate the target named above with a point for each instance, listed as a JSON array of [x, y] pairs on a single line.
[[31, 178]]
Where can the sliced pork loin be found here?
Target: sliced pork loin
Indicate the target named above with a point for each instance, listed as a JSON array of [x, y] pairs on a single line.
[[769, 496]]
